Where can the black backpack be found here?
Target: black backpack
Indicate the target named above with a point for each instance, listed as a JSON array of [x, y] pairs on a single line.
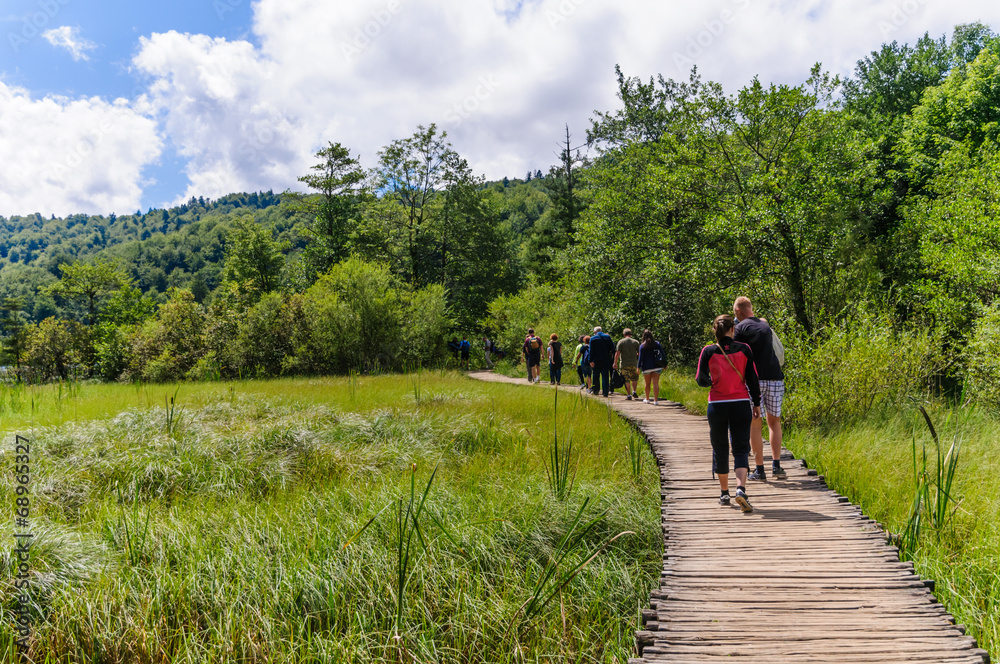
[[617, 380]]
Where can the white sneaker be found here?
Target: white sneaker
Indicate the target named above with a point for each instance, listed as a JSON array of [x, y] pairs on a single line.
[[645, 400], [656, 403]]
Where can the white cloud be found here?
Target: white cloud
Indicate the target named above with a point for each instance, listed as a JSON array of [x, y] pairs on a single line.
[[66, 156], [69, 38], [501, 77]]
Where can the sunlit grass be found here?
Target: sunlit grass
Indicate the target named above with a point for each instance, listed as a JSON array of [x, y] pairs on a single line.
[[215, 529]]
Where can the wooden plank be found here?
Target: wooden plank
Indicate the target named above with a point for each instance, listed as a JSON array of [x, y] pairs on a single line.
[[805, 578]]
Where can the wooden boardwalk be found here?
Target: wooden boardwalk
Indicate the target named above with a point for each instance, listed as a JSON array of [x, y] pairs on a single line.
[[806, 577]]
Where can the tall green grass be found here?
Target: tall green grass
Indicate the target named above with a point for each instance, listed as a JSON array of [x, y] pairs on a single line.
[[952, 498], [303, 521]]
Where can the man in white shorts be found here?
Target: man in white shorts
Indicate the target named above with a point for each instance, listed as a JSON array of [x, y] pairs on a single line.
[[757, 334]]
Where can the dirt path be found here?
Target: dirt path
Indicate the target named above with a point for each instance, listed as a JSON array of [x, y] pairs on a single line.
[[806, 577]]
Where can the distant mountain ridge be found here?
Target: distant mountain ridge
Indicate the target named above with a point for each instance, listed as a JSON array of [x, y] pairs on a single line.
[[182, 246]]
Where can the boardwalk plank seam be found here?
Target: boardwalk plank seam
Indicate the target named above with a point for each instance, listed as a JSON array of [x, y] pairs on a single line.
[[805, 578]]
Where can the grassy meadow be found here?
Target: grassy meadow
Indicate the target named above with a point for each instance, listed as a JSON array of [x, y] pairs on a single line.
[[363, 519]]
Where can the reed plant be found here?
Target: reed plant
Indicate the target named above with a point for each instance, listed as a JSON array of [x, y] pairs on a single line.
[[560, 469]]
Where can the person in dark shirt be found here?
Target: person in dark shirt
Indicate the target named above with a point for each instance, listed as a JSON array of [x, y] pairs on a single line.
[[465, 348], [533, 355], [727, 366], [650, 362], [602, 350], [756, 333], [555, 360]]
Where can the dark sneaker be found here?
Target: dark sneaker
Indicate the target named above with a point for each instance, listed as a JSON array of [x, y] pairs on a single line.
[[743, 501], [635, 395], [628, 397], [724, 499], [778, 473], [758, 475]]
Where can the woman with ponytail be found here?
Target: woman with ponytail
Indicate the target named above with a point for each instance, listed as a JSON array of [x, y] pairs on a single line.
[[733, 403]]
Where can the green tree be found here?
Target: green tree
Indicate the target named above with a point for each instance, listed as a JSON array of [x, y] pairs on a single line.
[[435, 225], [16, 328], [168, 346], [757, 190], [122, 313], [53, 347], [339, 182], [89, 282], [955, 226], [253, 258], [963, 112], [413, 170], [353, 319], [555, 231]]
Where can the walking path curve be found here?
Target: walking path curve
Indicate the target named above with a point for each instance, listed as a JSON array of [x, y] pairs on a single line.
[[806, 577]]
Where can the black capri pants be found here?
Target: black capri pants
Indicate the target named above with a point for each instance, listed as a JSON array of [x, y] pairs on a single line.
[[729, 421]]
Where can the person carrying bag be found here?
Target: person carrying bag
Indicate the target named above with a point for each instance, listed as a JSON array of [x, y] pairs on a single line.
[[727, 367]]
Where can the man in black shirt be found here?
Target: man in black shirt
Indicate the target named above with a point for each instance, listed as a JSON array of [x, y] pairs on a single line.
[[757, 334]]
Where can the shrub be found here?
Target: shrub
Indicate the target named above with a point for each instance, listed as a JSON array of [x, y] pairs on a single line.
[[112, 351], [358, 316], [427, 324], [848, 370], [167, 347], [53, 346], [546, 308], [353, 318], [981, 362]]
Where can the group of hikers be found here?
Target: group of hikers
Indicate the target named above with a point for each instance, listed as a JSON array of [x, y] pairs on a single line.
[[742, 368], [598, 358]]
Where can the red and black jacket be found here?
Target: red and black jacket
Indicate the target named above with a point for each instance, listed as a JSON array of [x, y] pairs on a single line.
[[715, 371]]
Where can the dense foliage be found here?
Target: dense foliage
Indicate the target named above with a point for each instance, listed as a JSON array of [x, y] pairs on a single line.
[[368, 270], [821, 200]]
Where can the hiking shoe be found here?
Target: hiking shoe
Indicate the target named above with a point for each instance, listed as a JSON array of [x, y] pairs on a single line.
[[635, 395], [743, 501], [628, 397], [724, 499], [758, 475], [778, 473]]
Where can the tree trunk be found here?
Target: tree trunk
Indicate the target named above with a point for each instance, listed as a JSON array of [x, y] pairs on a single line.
[[794, 277]]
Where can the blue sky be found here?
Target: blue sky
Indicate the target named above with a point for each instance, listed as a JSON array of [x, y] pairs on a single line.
[[114, 27], [108, 106]]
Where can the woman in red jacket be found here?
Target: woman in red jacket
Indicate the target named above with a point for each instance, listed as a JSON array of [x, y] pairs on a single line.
[[727, 367]]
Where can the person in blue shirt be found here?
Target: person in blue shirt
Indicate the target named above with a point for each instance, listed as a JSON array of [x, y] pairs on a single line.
[[465, 348], [602, 350]]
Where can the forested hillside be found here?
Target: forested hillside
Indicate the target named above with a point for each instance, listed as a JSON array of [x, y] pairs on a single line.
[[92, 295], [179, 247], [857, 208]]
